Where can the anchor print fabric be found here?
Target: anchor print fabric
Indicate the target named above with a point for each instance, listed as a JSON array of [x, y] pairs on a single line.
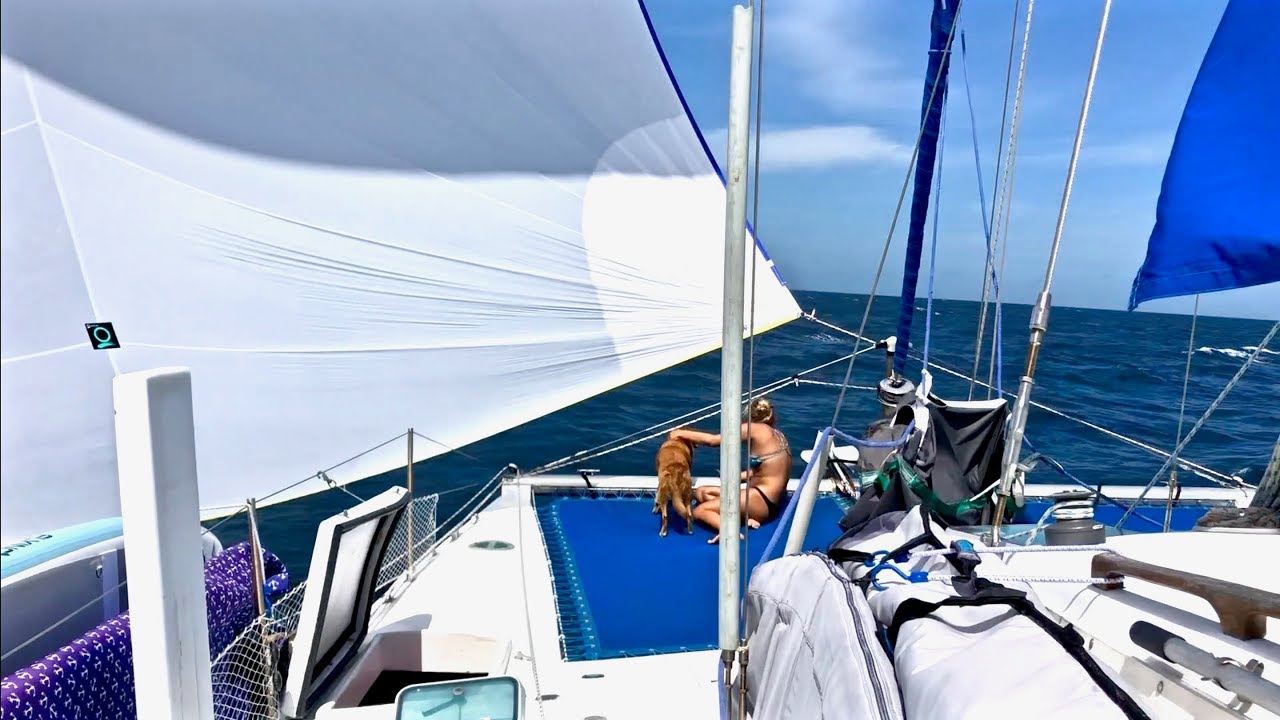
[[93, 676]]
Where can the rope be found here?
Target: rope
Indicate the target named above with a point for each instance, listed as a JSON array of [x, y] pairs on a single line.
[[1015, 549], [1035, 579], [1200, 423], [897, 212], [1182, 411]]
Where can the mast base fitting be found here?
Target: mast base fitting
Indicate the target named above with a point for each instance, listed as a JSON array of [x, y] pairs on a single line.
[[893, 393]]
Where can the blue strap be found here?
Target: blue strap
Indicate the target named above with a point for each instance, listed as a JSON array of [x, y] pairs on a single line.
[[916, 576]]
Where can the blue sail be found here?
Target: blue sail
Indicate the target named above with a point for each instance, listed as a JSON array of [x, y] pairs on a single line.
[[944, 18], [1217, 225]]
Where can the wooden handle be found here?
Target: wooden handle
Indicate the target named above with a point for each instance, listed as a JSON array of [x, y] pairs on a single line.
[[1242, 610]]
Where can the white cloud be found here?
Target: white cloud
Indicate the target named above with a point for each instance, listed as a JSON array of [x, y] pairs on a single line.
[[818, 147], [831, 47]]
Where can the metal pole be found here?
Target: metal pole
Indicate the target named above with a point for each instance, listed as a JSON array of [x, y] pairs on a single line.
[[812, 478], [268, 697], [255, 547], [731, 354], [409, 487], [1040, 314]]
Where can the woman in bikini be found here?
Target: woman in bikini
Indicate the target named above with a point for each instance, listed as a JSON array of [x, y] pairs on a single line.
[[769, 467]]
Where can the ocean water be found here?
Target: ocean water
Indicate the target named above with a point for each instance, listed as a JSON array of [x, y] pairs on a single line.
[[1120, 370]]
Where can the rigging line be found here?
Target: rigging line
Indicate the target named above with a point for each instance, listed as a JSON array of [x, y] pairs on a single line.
[[765, 390], [1200, 423], [1207, 473], [823, 383], [897, 212], [319, 475], [933, 246], [990, 267], [1006, 205], [813, 317], [447, 447], [1182, 411], [1075, 147], [1040, 314], [588, 453], [65, 618]]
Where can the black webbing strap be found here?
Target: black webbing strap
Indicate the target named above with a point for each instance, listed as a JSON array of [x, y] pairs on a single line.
[[989, 593]]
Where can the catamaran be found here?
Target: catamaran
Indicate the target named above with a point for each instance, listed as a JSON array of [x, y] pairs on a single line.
[[288, 229]]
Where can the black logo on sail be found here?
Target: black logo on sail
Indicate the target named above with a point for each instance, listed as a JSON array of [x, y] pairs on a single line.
[[102, 336]]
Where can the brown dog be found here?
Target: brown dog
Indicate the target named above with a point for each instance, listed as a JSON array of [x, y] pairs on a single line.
[[675, 482]]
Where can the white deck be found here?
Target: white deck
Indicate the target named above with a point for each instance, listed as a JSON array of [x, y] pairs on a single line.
[[1240, 557], [465, 590], [465, 596]]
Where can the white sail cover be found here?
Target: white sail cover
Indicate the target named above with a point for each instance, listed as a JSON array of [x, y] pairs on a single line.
[[456, 216]]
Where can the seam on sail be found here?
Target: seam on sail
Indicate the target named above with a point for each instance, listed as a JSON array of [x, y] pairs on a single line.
[[284, 218], [38, 354], [62, 205], [16, 128]]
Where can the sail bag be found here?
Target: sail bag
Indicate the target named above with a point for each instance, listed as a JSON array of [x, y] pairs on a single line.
[[966, 647], [814, 652]]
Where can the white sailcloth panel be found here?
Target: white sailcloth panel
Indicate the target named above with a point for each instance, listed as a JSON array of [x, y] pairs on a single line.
[[455, 216]]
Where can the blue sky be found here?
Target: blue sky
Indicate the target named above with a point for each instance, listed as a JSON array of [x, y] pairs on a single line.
[[842, 92]]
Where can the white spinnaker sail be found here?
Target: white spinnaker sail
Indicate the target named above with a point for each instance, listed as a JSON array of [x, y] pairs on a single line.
[[455, 216]]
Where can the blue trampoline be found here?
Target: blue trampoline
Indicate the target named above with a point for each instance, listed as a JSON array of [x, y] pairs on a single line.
[[623, 591]]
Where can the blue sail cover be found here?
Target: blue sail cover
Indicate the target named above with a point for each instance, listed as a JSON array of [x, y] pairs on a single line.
[[1216, 222], [944, 18]]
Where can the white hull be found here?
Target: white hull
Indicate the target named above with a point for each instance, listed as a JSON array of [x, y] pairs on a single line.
[[494, 611]]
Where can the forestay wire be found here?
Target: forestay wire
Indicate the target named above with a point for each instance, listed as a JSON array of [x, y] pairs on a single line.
[[893, 225]]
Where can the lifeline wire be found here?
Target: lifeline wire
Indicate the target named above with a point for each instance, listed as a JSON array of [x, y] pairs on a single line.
[[1203, 418]]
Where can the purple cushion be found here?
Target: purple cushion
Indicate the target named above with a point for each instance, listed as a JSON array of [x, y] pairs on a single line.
[[93, 676]]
